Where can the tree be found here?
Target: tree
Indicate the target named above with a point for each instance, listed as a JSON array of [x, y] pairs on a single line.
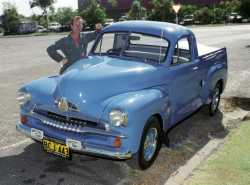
[[187, 10], [245, 7], [64, 15], [218, 13], [44, 5], [230, 6], [113, 3], [135, 10], [203, 15], [162, 10], [93, 14], [11, 19], [40, 19]]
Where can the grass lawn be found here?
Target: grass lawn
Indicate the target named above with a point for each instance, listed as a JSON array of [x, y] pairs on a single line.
[[230, 165]]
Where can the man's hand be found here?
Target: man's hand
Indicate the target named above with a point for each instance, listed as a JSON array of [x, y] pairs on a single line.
[[64, 61], [98, 27]]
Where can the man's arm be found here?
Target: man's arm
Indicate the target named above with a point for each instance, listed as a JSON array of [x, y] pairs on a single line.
[[53, 50], [90, 36]]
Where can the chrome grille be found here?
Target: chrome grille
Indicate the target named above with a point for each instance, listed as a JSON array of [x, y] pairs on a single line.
[[61, 121]]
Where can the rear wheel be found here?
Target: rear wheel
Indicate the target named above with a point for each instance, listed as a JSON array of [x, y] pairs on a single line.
[[214, 105], [149, 146]]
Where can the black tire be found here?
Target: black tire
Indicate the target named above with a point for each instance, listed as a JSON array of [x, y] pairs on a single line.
[[138, 161], [216, 96]]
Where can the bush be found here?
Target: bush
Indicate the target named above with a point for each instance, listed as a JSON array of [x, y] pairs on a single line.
[[11, 19], [162, 11], [64, 15], [245, 8], [203, 16], [93, 14]]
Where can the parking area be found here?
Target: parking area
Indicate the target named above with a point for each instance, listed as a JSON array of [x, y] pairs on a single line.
[[22, 161]]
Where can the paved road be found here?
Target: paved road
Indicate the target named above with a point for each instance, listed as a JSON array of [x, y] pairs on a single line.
[[23, 162], [237, 41]]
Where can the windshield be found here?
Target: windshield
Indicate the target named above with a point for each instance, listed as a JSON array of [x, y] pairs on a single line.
[[132, 45]]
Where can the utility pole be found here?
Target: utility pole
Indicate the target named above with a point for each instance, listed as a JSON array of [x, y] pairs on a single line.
[[140, 13], [176, 8]]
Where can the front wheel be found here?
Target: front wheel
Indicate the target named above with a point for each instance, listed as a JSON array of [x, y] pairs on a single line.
[[149, 146], [214, 105]]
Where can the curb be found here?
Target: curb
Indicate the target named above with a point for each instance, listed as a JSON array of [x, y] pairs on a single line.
[[180, 175]]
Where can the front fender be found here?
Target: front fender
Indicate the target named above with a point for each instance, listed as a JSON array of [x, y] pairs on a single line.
[[140, 106], [41, 90]]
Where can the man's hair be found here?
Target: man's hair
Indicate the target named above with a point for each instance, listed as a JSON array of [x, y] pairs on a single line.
[[75, 18]]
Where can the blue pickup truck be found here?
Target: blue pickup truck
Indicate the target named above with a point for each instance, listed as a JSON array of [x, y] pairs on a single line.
[[140, 79]]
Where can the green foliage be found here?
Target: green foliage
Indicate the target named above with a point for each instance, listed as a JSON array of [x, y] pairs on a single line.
[[162, 11], [245, 8], [187, 10], [135, 11], [44, 5], [64, 15], [203, 15], [218, 15], [40, 19], [51, 13], [93, 14], [11, 19], [230, 6]]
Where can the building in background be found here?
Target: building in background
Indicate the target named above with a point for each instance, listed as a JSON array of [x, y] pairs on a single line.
[[27, 26]]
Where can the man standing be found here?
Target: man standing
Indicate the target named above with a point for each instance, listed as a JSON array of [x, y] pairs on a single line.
[[74, 46]]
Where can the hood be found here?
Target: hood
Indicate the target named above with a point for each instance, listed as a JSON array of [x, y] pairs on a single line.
[[90, 82], [98, 78]]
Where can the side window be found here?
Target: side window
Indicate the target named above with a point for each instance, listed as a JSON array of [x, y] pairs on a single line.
[[182, 52], [106, 43]]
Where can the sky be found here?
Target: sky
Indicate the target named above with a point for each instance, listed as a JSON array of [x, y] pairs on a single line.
[[23, 6]]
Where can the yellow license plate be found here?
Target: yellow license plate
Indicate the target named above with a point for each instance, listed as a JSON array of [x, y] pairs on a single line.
[[56, 148]]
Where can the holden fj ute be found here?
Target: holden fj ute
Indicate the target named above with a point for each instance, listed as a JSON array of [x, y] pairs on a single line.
[[139, 80]]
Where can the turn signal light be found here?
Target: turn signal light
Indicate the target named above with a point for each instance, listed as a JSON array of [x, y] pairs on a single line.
[[24, 119], [117, 142]]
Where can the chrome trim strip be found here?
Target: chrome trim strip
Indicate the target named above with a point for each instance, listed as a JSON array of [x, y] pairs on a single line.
[[88, 150], [69, 127]]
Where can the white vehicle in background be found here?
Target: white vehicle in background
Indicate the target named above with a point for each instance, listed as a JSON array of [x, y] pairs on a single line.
[[41, 29], [54, 26]]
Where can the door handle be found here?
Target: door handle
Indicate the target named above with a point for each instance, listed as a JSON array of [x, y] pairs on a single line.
[[195, 68]]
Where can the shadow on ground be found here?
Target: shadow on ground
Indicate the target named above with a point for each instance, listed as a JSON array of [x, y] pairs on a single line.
[[35, 167], [240, 102], [186, 139]]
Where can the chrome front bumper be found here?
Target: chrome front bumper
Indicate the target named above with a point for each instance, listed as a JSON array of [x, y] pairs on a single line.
[[86, 150]]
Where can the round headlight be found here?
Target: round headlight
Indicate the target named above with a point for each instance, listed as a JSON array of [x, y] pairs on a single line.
[[23, 97], [118, 118]]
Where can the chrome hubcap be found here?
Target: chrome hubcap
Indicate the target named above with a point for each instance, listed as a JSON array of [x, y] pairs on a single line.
[[216, 99], [150, 144]]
